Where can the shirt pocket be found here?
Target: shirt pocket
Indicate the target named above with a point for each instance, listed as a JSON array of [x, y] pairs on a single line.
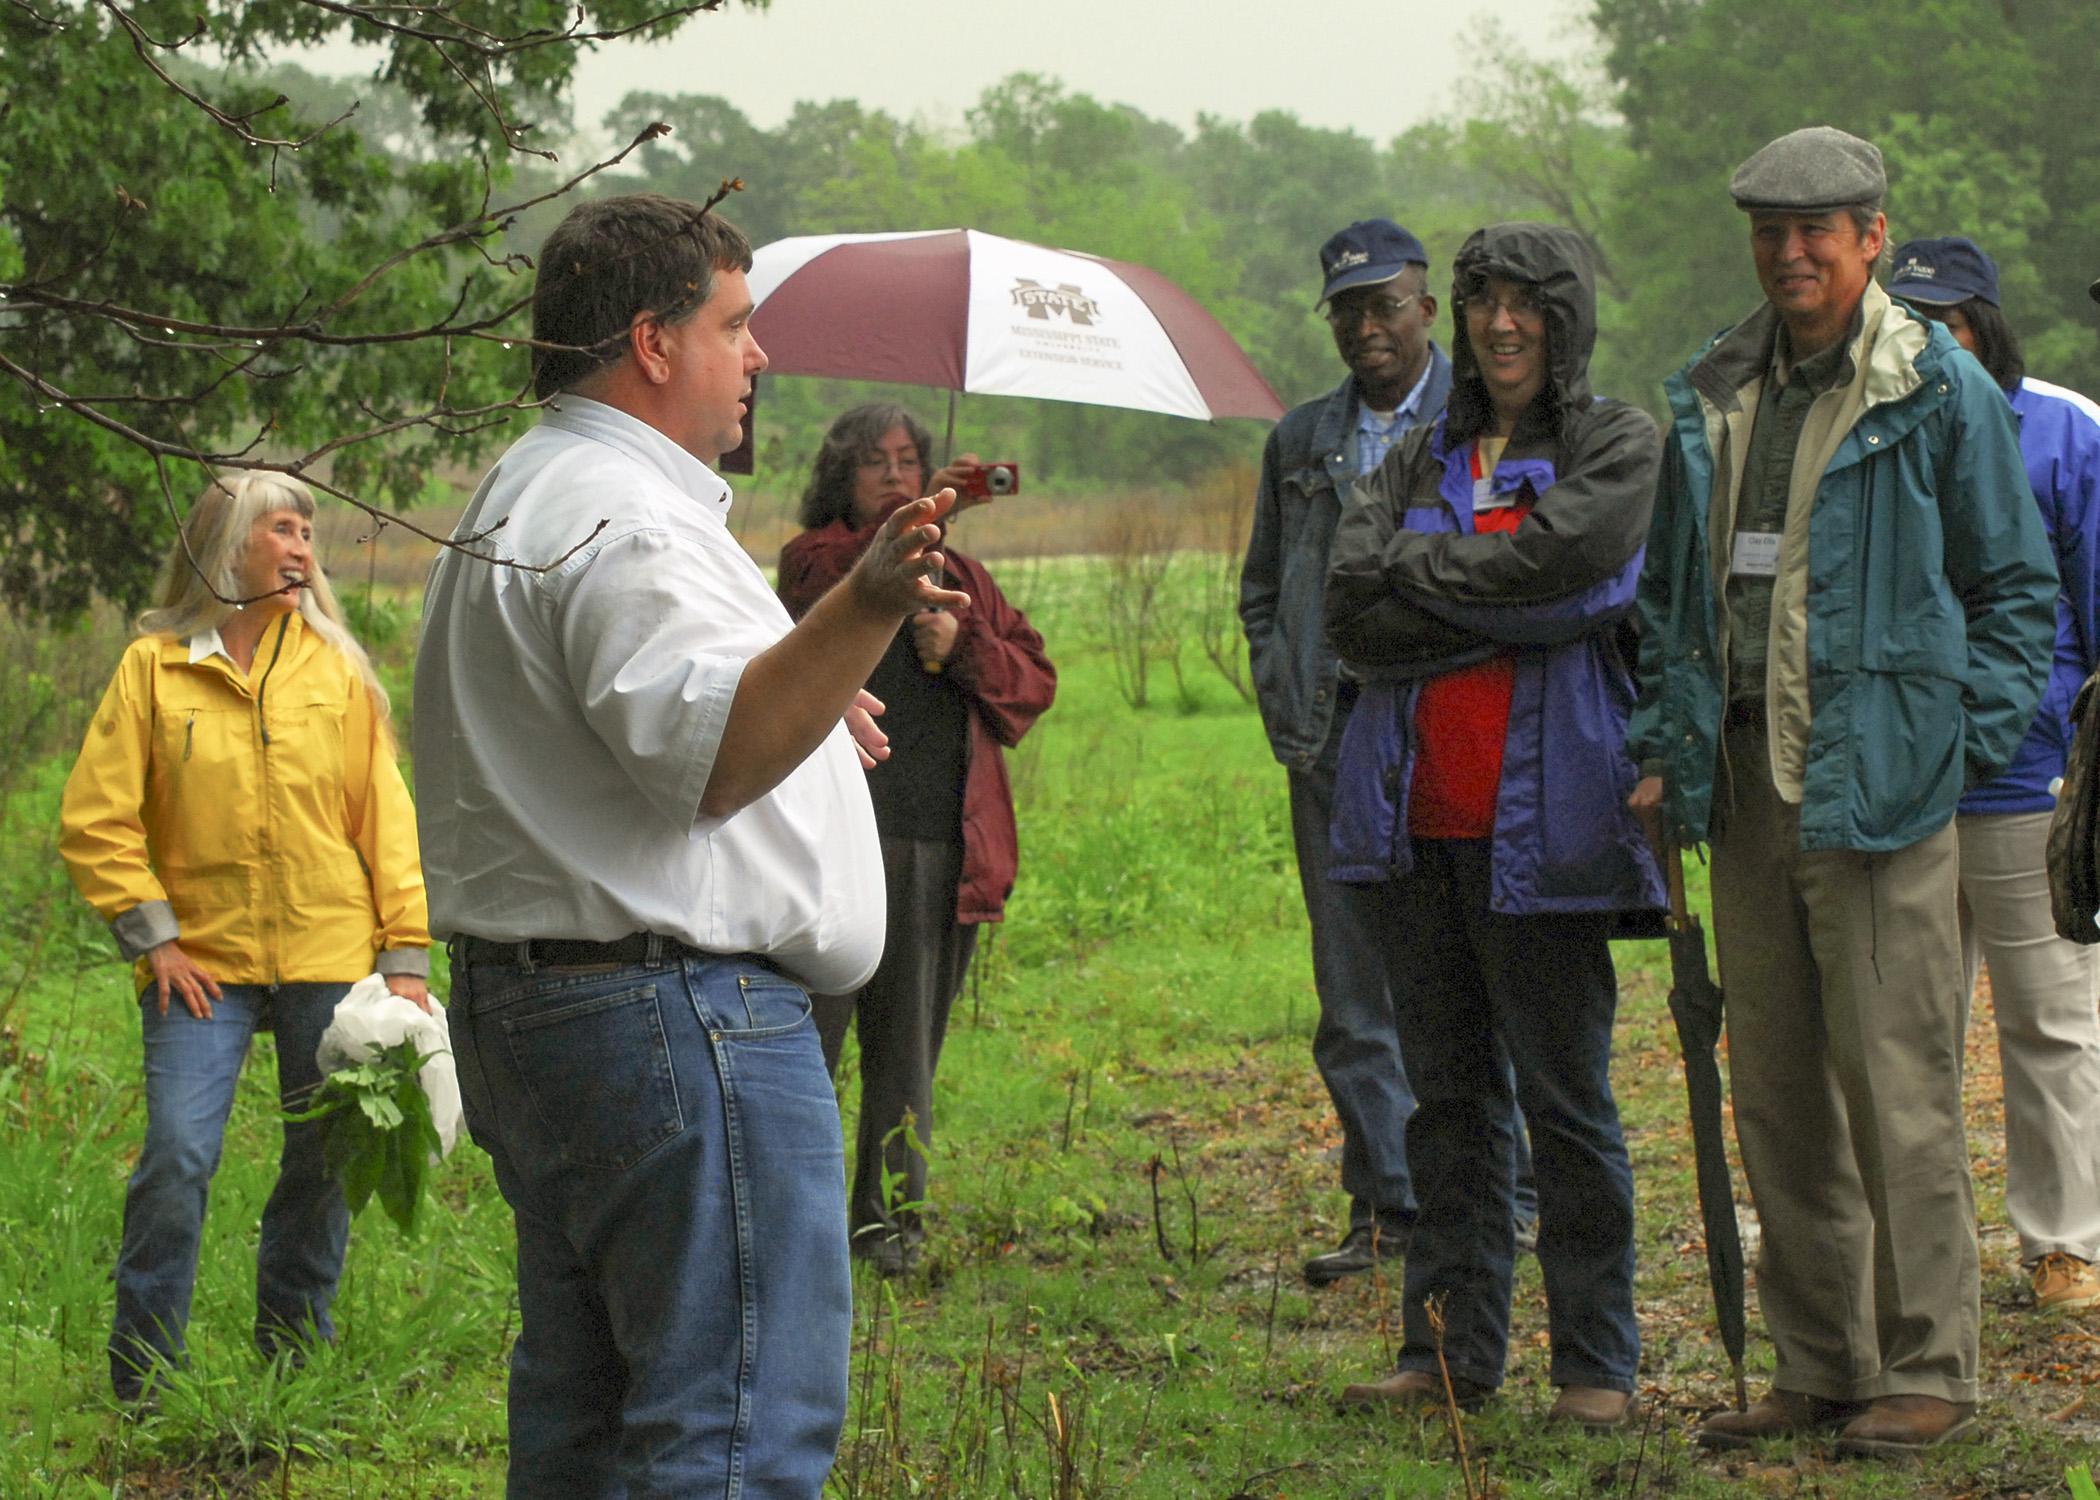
[[305, 747], [202, 783]]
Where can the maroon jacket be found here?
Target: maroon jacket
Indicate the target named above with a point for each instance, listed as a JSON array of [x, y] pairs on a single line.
[[999, 664]]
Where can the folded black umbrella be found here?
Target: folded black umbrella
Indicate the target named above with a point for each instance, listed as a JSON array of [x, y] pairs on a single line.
[[1695, 1005]]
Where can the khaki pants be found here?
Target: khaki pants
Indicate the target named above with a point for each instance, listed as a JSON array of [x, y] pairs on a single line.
[[2048, 1037], [1845, 1006]]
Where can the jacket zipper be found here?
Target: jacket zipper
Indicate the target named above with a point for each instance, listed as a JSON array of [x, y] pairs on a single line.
[[263, 687], [263, 723]]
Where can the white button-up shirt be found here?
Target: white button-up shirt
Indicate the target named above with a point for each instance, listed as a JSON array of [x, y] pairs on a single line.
[[566, 722]]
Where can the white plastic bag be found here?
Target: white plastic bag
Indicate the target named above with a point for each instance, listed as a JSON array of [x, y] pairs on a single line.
[[371, 1018]]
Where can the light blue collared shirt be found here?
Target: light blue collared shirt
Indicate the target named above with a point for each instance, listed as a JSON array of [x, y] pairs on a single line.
[[1375, 434]]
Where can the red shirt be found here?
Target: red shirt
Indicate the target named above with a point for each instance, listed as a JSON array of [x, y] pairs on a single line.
[[1461, 722]]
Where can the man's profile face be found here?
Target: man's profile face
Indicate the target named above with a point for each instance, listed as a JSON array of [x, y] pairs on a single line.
[[713, 357], [1382, 332], [1813, 267]]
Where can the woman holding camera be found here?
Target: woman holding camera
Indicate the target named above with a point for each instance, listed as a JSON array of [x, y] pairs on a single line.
[[237, 817], [958, 687]]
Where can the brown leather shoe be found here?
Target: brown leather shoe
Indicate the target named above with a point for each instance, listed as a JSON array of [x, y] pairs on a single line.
[[1900, 1426], [1416, 1388], [1777, 1413], [1593, 1407]]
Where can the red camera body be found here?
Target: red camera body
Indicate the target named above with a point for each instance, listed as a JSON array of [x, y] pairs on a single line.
[[992, 480]]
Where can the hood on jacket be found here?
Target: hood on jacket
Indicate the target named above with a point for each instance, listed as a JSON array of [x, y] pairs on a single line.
[[1555, 261]]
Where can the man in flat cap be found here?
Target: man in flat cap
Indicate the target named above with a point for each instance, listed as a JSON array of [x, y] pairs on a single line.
[[1847, 607]]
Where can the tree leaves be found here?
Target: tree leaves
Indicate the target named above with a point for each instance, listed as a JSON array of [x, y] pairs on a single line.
[[380, 1137]]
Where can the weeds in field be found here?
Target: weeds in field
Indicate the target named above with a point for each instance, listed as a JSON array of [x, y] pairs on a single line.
[[1148, 996]]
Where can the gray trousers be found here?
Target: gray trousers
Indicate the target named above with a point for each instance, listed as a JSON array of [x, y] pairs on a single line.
[[2048, 1034], [901, 1017], [1845, 1007]]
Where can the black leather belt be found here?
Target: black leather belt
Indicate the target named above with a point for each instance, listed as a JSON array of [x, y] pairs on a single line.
[[562, 953]]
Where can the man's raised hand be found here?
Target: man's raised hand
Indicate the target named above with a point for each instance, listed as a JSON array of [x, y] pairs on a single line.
[[900, 573]]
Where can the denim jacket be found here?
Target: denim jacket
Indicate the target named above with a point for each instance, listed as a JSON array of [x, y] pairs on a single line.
[[1306, 472]]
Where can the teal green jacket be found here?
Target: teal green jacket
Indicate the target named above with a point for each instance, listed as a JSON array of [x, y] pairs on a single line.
[[1923, 589]]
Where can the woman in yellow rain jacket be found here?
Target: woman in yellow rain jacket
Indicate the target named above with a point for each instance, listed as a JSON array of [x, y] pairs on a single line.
[[237, 817]]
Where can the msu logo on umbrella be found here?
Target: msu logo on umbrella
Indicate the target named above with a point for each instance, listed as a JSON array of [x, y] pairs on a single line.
[[1040, 301]]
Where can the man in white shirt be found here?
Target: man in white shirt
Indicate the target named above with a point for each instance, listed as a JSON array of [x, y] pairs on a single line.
[[646, 836]]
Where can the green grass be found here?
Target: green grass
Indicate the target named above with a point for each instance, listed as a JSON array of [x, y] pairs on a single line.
[[1131, 1159]]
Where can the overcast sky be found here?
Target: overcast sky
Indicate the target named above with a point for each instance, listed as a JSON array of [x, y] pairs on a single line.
[[1374, 68]]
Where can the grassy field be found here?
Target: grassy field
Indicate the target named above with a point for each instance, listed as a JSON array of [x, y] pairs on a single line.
[[1133, 1156]]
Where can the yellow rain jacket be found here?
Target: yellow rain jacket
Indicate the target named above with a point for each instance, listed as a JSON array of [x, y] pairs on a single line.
[[260, 818]]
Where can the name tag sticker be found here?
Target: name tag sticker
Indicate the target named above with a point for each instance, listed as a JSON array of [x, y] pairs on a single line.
[[1756, 554], [1485, 498]]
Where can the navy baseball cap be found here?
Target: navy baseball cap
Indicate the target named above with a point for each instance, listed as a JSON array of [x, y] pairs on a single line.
[[1943, 272], [1366, 253]]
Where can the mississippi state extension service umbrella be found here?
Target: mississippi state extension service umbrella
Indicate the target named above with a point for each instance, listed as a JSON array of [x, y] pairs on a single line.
[[960, 310]]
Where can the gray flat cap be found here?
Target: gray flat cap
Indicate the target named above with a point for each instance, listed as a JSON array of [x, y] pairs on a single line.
[[1810, 171]]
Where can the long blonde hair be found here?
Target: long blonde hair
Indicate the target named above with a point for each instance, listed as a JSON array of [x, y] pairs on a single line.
[[192, 596]]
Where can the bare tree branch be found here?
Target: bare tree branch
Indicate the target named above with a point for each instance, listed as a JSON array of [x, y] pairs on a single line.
[[161, 450], [143, 43]]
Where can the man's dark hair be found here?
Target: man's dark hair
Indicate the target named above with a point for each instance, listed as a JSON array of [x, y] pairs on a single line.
[[1997, 346], [829, 494], [615, 257]]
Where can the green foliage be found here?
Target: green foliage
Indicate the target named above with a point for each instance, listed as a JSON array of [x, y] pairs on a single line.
[[117, 193], [1977, 105], [1148, 996], [2080, 1480], [379, 1133]]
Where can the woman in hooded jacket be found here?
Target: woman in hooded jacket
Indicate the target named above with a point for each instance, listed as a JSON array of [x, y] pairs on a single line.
[[1480, 584], [237, 817]]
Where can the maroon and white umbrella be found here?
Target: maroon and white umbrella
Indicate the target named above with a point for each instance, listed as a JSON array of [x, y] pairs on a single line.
[[960, 310]]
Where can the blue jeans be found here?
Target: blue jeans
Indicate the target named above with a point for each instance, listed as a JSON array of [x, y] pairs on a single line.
[[668, 1141], [192, 1067], [1480, 995], [1356, 1046]]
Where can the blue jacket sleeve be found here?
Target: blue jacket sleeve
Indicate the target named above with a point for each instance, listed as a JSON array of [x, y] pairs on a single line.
[[2074, 500], [1553, 623], [1999, 564]]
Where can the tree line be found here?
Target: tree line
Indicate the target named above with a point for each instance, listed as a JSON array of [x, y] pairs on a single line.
[[1979, 105]]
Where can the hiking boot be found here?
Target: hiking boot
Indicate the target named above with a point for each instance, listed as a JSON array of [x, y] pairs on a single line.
[[2064, 1283], [887, 1254], [1899, 1426], [1363, 1247], [1775, 1414], [1423, 1389], [1593, 1407]]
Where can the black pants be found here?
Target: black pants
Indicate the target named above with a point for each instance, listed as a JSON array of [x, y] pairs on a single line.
[[901, 1017]]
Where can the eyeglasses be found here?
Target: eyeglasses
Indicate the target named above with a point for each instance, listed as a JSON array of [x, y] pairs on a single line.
[[1377, 309], [1522, 305], [880, 463]]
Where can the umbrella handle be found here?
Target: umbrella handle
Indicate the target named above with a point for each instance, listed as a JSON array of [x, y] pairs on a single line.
[[1673, 873]]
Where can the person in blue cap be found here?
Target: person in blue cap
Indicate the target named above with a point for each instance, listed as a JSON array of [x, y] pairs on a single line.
[[2041, 984], [1377, 301]]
